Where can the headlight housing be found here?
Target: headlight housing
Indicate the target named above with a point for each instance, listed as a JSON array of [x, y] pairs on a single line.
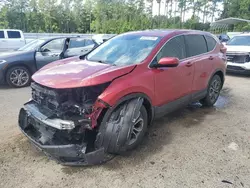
[[2, 61]]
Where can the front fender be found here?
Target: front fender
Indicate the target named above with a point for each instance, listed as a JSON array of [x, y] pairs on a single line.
[[115, 92], [138, 81]]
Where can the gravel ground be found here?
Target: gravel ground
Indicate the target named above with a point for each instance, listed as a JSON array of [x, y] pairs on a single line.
[[193, 147]]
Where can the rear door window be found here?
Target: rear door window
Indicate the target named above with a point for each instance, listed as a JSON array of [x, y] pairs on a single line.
[[1, 35], [173, 48], [76, 43], [196, 45], [211, 43], [14, 34], [89, 42]]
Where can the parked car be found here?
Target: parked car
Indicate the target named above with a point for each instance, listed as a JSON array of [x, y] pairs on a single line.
[[238, 54], [101, 38], [17, 67], [223, 38], [85, 107], [11, 39]]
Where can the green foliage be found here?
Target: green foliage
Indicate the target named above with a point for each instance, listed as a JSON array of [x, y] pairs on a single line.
[[114, 16]]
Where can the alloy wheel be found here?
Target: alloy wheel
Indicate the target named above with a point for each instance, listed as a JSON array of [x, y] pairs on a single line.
[[19, 77], [136, 129], [214, 90]]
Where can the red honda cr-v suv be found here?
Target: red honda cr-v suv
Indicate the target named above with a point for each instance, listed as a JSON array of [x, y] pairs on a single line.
[[85, 107]]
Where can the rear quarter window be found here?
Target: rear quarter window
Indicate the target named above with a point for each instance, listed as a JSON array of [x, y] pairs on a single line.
[[1, 35], [14, 34], [196, 45], [211, 43]]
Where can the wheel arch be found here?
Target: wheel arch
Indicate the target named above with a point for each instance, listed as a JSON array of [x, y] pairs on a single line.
[[17, 65], [220, 73], [146, 102], [109, 135]]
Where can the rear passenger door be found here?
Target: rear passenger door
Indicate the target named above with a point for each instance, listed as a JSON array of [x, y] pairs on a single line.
[[198, 56], [78, 46]]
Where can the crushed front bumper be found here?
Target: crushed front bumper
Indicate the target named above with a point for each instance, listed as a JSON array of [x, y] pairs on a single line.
[[44, 138]]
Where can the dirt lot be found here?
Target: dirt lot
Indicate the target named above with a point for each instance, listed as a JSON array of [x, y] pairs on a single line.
[[194, 147]]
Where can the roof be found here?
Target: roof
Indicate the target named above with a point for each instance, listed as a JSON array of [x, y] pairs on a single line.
[[163, 32], [227, 21], [154, 32]]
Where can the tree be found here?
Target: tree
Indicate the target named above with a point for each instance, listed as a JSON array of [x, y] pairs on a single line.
[[115, 16]]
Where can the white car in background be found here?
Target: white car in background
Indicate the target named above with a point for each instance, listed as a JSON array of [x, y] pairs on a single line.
[[11, 39], [238, 54], [101, 38]]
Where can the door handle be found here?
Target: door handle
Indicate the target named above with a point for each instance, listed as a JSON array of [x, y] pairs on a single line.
[[189, 64], [211, 58], [55, 55]]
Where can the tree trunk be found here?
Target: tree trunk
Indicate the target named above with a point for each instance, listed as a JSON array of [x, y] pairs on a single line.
[[184, 10], [159, 8], [166, 8], [213, 10], [194, 8], [204, 11], [171, 5]]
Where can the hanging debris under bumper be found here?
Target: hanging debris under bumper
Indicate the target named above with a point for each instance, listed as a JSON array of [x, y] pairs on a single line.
[[71, 145]]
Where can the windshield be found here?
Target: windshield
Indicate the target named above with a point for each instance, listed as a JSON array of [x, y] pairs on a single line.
[[124, 50], [32, 45], [240, 41]]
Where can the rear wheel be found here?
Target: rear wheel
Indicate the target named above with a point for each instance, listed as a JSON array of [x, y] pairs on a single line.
[[18, 76], [123, 130], [213, 92]]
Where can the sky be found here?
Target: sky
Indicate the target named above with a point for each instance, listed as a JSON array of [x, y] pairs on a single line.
[[188, 14]]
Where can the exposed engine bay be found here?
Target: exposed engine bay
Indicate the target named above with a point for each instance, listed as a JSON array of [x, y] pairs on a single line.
[[59, 121], [67, 104]]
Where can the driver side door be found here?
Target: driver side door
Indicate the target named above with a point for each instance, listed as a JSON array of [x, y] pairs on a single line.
[[49, 52], [173, 85]]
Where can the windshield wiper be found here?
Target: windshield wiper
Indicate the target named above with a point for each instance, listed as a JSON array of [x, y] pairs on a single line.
[[100, 61]]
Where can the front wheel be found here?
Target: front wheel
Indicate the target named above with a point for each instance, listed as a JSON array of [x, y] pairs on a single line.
[[123, 129], [213, 92], [18, 76]]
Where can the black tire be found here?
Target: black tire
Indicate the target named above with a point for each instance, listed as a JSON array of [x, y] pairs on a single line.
[[118, 133], [18, 77], [213, 91]]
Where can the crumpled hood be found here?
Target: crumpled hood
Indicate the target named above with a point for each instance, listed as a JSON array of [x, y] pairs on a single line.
[[74, 72], [237, 48]]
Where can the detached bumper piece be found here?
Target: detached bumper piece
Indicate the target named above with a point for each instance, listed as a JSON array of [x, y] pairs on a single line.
[[68, 147]]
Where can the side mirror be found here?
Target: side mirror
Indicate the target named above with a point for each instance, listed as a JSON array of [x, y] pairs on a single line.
[[168, 62]]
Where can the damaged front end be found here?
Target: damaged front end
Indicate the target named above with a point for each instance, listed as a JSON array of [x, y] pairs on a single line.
[[62, 122]]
